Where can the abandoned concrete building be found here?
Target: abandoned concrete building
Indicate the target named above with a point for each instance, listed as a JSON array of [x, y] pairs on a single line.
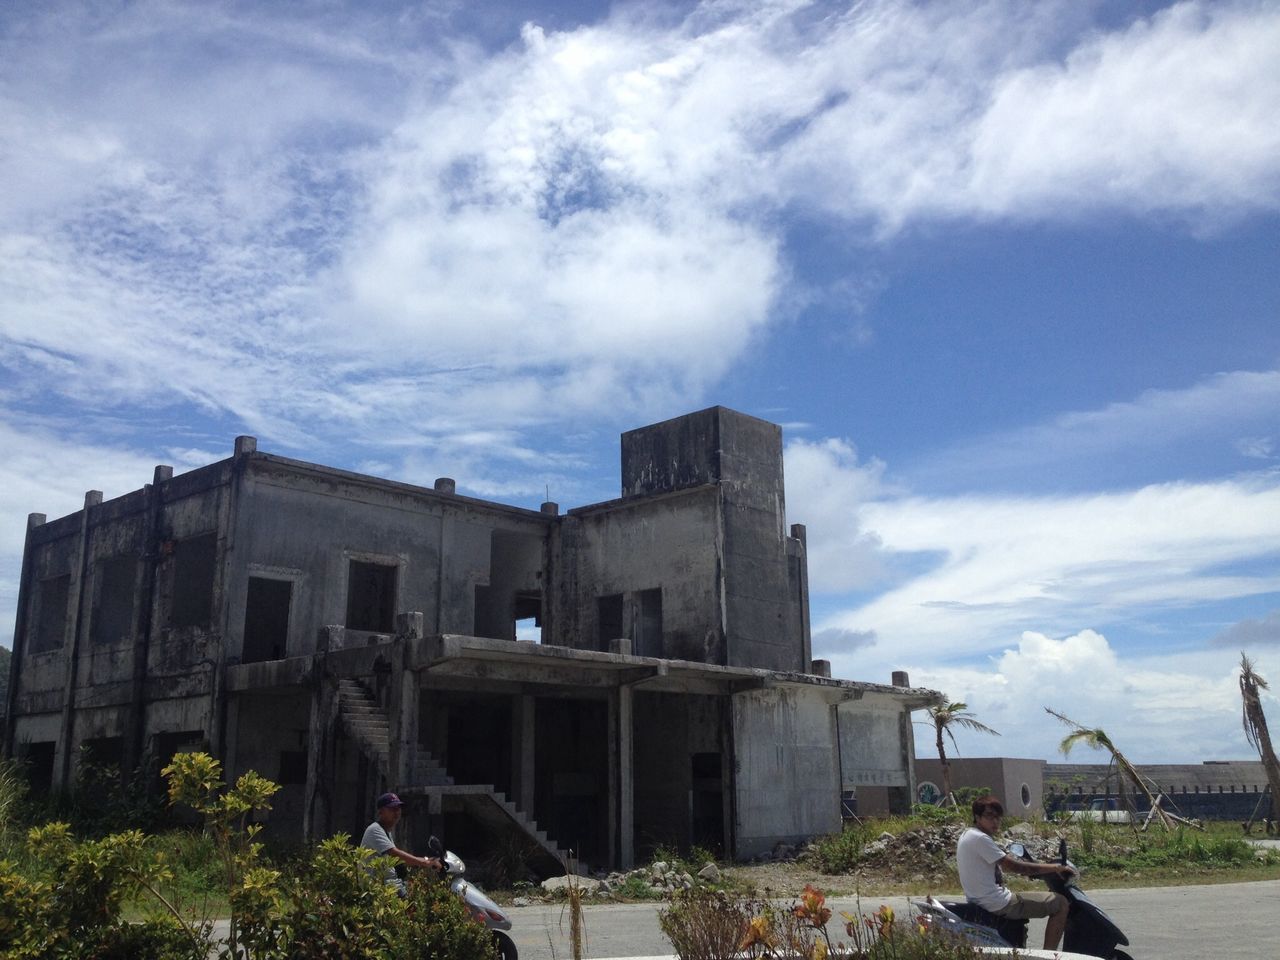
[[343, 634]]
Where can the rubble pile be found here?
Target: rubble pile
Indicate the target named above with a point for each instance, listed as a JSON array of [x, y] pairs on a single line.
[[659, 879], [928, 852]]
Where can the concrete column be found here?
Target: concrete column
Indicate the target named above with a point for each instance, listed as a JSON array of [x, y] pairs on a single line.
[[626, 782], [136, 721], [25, 579], [71, 643], [525, 750], [613, 777], [317, 801], [402, 703]]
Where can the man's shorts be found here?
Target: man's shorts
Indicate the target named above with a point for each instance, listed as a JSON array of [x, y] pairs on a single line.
[[1026, 906]]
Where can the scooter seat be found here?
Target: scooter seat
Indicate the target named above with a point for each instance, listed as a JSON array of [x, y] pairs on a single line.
[[1014, 932]]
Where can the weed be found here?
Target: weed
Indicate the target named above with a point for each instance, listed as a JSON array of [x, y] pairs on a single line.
[[840, 852]]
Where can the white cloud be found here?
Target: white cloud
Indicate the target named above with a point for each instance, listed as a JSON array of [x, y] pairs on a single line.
[[325, 224], [1012, 564], [1257, 448], [1157, 709], [1223, 403], [826, 488], [47, 471]]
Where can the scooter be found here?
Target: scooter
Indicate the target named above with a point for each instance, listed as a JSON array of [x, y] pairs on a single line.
[[480, 906], [1089, 930]]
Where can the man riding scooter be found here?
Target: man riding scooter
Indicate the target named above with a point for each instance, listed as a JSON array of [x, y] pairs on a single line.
[[981, 864], [377, 837]]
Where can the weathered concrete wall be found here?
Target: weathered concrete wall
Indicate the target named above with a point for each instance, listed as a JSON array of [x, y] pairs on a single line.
[[871, 744], [670, 731], [267, 733], [786, 775], [669, 543], [306, 525], [742, 457]]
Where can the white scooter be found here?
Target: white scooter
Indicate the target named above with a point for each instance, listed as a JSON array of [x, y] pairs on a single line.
[[1090, 932], [479, 905]]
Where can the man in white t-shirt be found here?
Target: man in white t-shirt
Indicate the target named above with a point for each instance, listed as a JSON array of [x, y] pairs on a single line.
[[377, 837], [980, 862]]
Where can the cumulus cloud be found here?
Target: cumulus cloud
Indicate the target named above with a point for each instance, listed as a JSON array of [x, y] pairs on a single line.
[[328, 223], [826, 488], [1157, 709]]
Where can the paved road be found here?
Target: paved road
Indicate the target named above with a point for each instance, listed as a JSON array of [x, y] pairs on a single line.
[[1218, 922]]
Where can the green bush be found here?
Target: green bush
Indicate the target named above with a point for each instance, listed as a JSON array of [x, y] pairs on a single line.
[[438, 926], [840, 852], [928, 814]]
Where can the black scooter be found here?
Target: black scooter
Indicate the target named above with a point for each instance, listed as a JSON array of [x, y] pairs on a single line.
[[1089, 930]]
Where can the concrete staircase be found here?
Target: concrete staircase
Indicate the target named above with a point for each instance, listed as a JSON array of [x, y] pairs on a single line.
[[367, 724]]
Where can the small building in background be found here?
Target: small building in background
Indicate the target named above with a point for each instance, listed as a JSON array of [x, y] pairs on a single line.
[[1017, 783]]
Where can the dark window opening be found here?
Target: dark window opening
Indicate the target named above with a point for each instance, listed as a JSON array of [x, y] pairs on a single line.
[[528, 617], [51, 628], [194, 565], [609, 618], [371, 597], [113, 612], [293, 767], [649, 635], [266, 620], [103, 751], [481, 625], [39, 761]]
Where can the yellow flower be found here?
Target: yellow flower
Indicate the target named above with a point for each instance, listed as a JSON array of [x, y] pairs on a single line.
[[812, 907], [757, 933]]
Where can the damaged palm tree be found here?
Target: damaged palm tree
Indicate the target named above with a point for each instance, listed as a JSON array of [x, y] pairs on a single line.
[[1255, 728], [945, 716], [1097, 739]]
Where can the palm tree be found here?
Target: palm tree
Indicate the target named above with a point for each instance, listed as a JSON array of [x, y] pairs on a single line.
[[1255, 727], [1097, 739], [945, 717]]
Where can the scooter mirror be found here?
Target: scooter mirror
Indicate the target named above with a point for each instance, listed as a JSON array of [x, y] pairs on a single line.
[[1018, 850], [435, 847], [1062, 850]]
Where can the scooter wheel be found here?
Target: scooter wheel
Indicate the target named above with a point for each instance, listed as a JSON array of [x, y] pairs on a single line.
[[506, 947], [1120, 955]]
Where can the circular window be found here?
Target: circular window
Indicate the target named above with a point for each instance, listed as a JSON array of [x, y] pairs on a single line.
[[927, 792], [1026, 795]]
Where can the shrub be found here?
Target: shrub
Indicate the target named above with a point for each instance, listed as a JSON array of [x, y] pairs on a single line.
[[840, 852], [928, 814], [705, 925], [438, 926]]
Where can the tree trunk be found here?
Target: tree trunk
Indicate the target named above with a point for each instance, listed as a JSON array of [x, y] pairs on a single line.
[[1258, 722], [946, 771]]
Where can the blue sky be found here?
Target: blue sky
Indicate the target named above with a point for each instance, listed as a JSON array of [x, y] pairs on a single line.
[[1007, 274]]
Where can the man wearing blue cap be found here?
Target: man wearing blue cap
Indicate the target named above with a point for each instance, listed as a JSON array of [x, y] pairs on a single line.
[[377, 837]]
